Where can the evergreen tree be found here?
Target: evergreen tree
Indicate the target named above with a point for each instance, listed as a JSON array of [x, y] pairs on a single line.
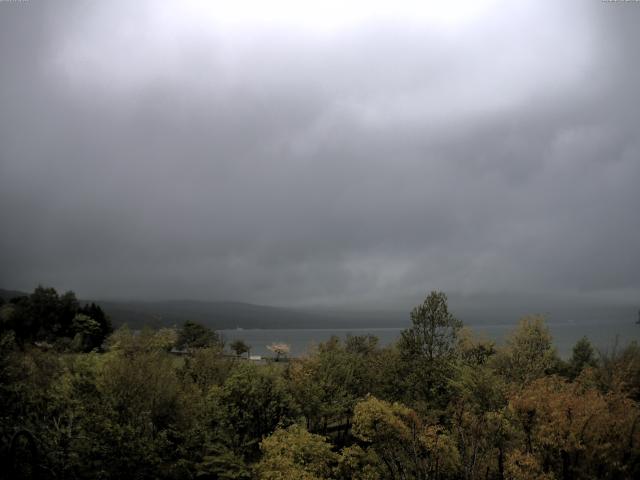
[[428, 349]]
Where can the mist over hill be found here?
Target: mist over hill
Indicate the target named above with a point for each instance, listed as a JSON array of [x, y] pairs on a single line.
[[224, 315], [472, 310]]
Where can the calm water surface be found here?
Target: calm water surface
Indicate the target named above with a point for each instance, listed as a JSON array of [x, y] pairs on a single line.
[[603, 336]]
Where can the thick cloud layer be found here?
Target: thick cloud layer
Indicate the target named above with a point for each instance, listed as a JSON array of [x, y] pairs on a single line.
[[165, 150]]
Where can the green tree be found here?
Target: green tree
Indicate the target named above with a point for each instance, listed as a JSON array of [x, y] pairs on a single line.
[[475, 419], [206, 367], [195, 335], [295, 453], [239, 347], [529, 352], [434, 331], [42, 313], [45, 315], [429, 350], [361, 344], [474, 350], [405, 445], [95, 311], [619, 370], [583, 355], [68, 308], [324, 385], [251, 403], [88, 334], [355, 463], [221, 463], [15, 317], [8, 317], [131, 343]]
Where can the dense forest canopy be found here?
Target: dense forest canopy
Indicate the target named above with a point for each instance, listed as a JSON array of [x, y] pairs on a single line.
[[80, 401], [46, 316]]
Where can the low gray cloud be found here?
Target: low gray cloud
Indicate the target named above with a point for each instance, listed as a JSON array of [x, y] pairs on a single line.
[[147, 151]]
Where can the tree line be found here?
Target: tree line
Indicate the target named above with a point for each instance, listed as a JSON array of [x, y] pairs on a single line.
[[440, 403], [57, 320]]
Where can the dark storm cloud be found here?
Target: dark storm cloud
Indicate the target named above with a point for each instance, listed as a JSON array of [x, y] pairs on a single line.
[[146, 152]]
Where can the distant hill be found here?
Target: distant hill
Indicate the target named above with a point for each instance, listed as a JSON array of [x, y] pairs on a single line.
[[9, 294], [472, 310], [476, 311], [224, 315]]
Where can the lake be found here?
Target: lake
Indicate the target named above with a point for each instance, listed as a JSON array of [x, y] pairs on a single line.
[[565, 335]]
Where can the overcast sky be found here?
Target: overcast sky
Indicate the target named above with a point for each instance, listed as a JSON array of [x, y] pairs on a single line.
[[330, 153]]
